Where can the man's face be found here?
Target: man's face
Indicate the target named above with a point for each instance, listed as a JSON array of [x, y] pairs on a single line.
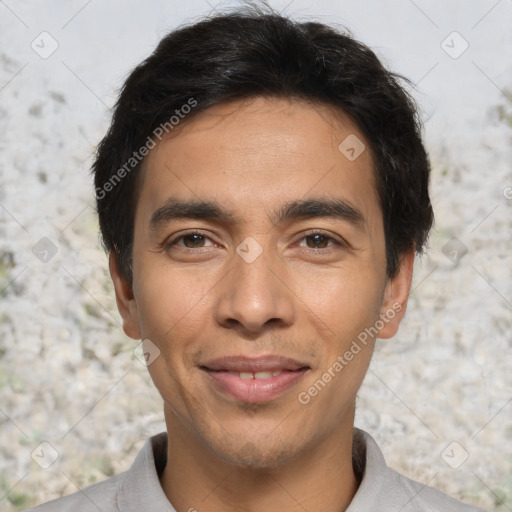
[[251, 302]]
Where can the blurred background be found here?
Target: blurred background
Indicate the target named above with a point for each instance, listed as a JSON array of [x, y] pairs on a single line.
[[76, 403]]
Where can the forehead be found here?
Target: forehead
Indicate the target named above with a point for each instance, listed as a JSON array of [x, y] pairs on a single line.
[[260, 152]]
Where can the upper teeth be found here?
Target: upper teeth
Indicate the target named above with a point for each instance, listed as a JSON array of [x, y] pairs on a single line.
[[258, 375]]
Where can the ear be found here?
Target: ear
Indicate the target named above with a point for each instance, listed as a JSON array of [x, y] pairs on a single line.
[[396, 295], [125, 299]]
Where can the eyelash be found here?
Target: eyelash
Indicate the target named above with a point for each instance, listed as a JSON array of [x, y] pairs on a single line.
[[169, 245]]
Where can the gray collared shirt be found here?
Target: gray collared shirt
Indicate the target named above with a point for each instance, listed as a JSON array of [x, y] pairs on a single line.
[[139, 489]]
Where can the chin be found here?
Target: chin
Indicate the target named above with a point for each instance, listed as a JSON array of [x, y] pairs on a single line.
[[257, 454]]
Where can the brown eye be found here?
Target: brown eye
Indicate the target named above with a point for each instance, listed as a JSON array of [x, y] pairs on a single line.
[[194, 240], [315, 241], [191, 241]]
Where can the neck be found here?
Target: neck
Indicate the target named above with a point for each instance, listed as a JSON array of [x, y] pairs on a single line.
[[320, 478]]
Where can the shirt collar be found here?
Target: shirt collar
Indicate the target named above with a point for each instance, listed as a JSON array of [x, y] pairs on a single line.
[[369, 460], [141, 490]]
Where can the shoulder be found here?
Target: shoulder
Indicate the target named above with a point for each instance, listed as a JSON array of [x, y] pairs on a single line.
[[422, 497], [386, 490], [134, 490], [99, 496]]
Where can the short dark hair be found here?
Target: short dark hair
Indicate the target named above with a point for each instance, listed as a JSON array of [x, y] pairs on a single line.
[[252, 53]]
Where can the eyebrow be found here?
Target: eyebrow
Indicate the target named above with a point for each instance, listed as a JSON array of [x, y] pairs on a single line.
[[174, 209]]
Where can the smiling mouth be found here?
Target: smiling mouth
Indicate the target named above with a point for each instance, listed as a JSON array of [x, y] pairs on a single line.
[[254, 380]]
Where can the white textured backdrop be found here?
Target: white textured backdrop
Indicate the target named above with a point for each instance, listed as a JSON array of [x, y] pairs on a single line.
[[439, 391]]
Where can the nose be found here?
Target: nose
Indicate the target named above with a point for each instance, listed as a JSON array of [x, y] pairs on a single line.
[[255, 296]]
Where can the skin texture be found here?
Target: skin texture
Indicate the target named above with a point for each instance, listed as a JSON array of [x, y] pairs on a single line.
[[303, 297]]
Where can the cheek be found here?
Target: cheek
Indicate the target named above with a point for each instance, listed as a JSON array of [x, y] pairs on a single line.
[[172, 309], [169, 299], [344, 302]]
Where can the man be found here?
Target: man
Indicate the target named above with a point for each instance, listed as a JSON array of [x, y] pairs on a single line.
[[261, 192]]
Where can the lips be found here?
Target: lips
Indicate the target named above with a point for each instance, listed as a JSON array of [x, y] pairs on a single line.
[[254, 380]]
